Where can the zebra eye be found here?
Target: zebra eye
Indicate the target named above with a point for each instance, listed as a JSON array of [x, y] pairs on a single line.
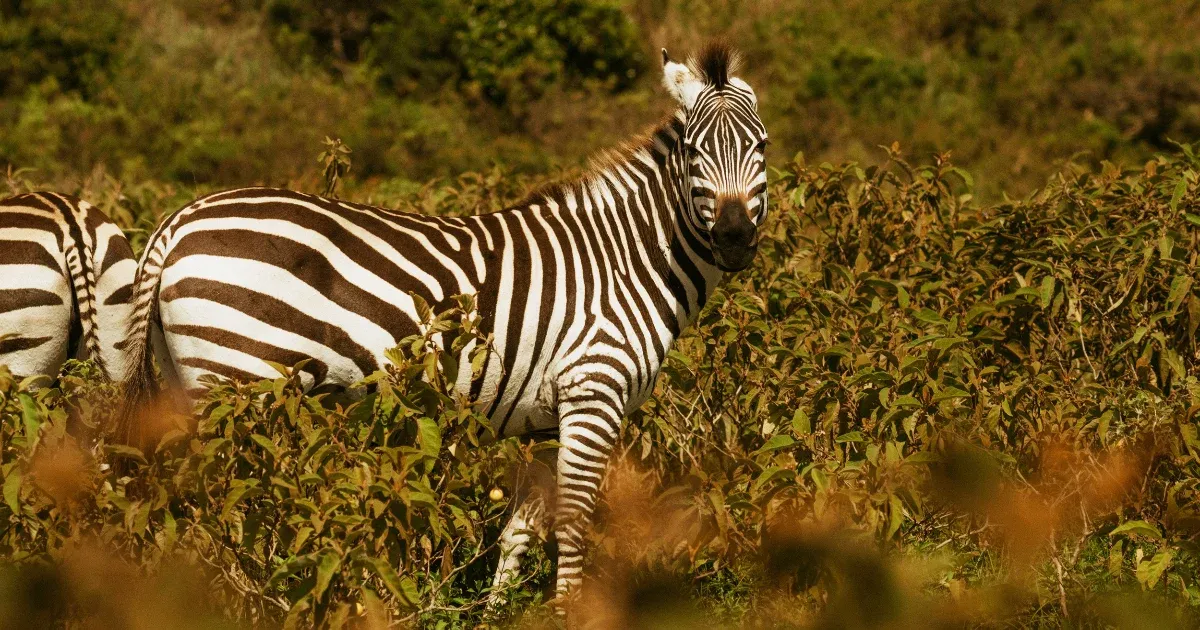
[[761, 147]]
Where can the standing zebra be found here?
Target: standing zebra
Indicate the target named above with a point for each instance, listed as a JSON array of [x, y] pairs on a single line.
[[584, 285], [66, 276]]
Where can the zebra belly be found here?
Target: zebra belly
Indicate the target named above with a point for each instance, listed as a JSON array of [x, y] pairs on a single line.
[[35, 319], [533, 409]]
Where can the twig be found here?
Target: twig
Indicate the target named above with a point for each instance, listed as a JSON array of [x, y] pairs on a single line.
[[1062, 591]]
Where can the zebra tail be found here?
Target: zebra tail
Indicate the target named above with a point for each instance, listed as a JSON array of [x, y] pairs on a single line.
[[84, 268], [140, 383]]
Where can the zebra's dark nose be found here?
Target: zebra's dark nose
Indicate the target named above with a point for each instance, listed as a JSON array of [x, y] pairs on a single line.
[[734, 236]]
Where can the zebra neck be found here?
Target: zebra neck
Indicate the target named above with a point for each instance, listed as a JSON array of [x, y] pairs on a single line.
[[634, 202]]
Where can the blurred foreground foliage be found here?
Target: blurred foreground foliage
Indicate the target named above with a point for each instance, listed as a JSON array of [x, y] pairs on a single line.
[[913, 410]]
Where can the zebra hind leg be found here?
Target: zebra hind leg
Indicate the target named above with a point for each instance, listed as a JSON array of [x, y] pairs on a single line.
[[529, 524]]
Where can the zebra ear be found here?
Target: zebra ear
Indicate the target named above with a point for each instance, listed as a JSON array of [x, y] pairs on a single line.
[[681, 82]]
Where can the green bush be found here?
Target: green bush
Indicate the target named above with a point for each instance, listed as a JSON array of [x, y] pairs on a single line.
[[912, 407], [516, 50], [1015, 385], [75, 44], [296, 507], [508, 52], [238, 92], [867, 82]]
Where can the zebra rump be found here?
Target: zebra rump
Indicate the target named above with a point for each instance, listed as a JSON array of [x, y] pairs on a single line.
[[66, 275]]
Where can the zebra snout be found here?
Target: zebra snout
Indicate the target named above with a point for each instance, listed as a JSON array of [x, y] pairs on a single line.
[[734, 236]]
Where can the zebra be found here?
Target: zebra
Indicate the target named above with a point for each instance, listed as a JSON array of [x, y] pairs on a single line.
[[66, 277], [583, 286]]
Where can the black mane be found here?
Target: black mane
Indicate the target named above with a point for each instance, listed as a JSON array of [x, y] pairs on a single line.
[[715, 63]]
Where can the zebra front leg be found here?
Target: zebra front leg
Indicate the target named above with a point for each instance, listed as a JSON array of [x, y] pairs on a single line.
[[588, 431], [533, 493]]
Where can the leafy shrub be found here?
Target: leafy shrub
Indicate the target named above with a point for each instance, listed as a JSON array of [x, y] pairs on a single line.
[[74, 44], [296, 508], [869, 83], [913, 408], [1016, 382], [516, 50], [509, 52], [237, 92]]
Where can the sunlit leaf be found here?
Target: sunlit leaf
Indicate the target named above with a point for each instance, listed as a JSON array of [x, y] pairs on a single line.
[[1140, 528]]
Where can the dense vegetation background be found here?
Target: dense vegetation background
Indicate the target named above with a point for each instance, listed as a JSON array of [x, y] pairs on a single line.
[[228, 92], [952, 391]]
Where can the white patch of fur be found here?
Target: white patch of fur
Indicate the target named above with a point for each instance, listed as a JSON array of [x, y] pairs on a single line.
[[683, 84]]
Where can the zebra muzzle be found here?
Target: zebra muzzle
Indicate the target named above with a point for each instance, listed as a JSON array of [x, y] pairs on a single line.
[[734, 236]]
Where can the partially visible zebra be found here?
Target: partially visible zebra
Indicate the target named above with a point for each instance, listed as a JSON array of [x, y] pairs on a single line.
[[585, 286], [66, 275]]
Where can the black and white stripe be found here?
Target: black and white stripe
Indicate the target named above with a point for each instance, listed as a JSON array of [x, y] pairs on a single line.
[[584, 285], [66, 275]]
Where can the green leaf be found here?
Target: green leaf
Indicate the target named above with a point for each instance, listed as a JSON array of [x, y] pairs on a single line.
[[820, 479], [137, 517], [290, 568], [1166, 245], [852, 436], [12, 490], [267, 444], [769, 474], [170, 438], [430, 436], [1047, 291], [220, 412], [895, 515], [327, 566], [404, 588], [283, 370], [797, 196], [923, 457], [950, 392], [1148, 572], [240, 491], [424, 312], [1116, 558], [1141, 528], [1181, 285], [966, 177], [126, 451], [748, 303], [929, 317], [32, 417], [1180, 190], [775, 443], [801, 425]]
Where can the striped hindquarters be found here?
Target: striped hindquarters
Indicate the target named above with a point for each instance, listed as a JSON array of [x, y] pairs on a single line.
[[65, 272], [241, 278]]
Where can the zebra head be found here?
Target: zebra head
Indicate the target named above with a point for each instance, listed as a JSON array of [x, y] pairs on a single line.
[[721, 152]]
